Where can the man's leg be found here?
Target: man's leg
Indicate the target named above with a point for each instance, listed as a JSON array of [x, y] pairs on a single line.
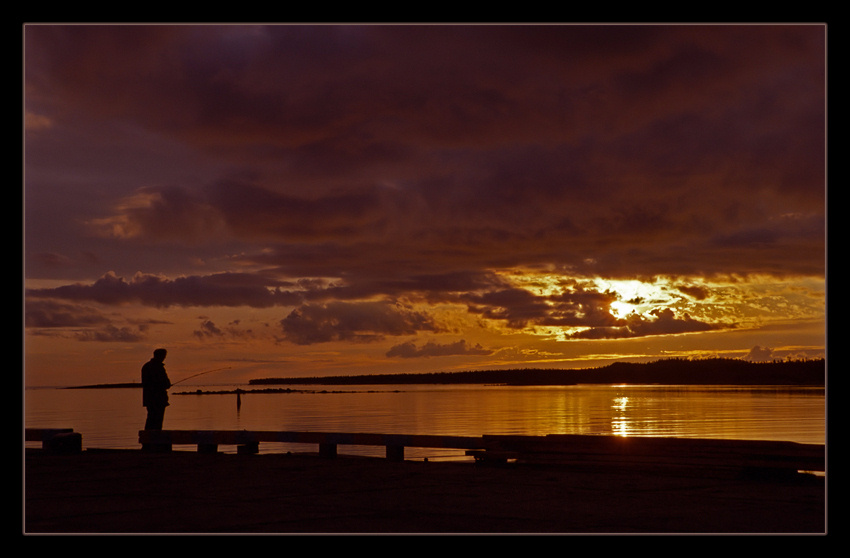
[[155, 417], [154, 422]]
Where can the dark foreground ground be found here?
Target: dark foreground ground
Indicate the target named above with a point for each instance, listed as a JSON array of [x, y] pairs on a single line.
[[98, 492]]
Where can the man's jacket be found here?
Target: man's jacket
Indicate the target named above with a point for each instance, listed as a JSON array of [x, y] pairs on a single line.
[[155, 384]]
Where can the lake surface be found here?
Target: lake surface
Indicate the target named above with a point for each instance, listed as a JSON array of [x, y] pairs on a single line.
[[111, 418]]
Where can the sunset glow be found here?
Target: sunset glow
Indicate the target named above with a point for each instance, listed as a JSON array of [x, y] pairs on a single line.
[[309, 200]]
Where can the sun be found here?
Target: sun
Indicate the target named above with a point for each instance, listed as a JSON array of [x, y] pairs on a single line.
[[629, 296], [633, 296], [621, 309]]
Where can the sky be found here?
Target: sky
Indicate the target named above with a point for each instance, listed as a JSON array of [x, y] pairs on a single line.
[[313, 200]]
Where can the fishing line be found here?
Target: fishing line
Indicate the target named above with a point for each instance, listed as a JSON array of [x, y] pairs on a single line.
[[200, 374]]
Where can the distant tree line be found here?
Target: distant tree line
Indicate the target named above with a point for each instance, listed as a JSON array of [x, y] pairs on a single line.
[[720, 371]]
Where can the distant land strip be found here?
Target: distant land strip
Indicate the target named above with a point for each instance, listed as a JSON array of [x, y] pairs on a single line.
[[107, 386], [720, 371]]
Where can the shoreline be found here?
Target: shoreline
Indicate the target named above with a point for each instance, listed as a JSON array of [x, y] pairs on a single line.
[[673, 371], [184, 492]]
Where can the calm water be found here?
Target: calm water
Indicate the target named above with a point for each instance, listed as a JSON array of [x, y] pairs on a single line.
[[111, 418]]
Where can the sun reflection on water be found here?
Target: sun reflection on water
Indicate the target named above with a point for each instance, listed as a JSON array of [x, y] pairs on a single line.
[[620, 424]]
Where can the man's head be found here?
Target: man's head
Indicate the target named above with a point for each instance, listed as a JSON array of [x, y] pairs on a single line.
[[159, 354]]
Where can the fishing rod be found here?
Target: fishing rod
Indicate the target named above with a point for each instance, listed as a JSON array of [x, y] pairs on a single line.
[[200, 374]]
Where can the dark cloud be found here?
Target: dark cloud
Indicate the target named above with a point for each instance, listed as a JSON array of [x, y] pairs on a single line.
[[52, 314], [612, 142], [83, 323], [431, 349], [353, 321], [382, 277], [573, 306], [208, 330], [158, 214], [255, 212], [515, 306], [659, 322], [694, 291], [227, 289], [111, 334]]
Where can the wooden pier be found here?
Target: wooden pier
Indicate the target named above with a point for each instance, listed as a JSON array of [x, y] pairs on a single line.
[[556, 449], [248, 441], [56, 440]]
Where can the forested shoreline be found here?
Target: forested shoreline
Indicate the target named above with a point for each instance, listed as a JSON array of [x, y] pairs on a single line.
[[719, 371]]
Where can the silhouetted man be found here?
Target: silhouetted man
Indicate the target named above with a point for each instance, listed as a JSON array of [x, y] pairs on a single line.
[[155, 384]]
